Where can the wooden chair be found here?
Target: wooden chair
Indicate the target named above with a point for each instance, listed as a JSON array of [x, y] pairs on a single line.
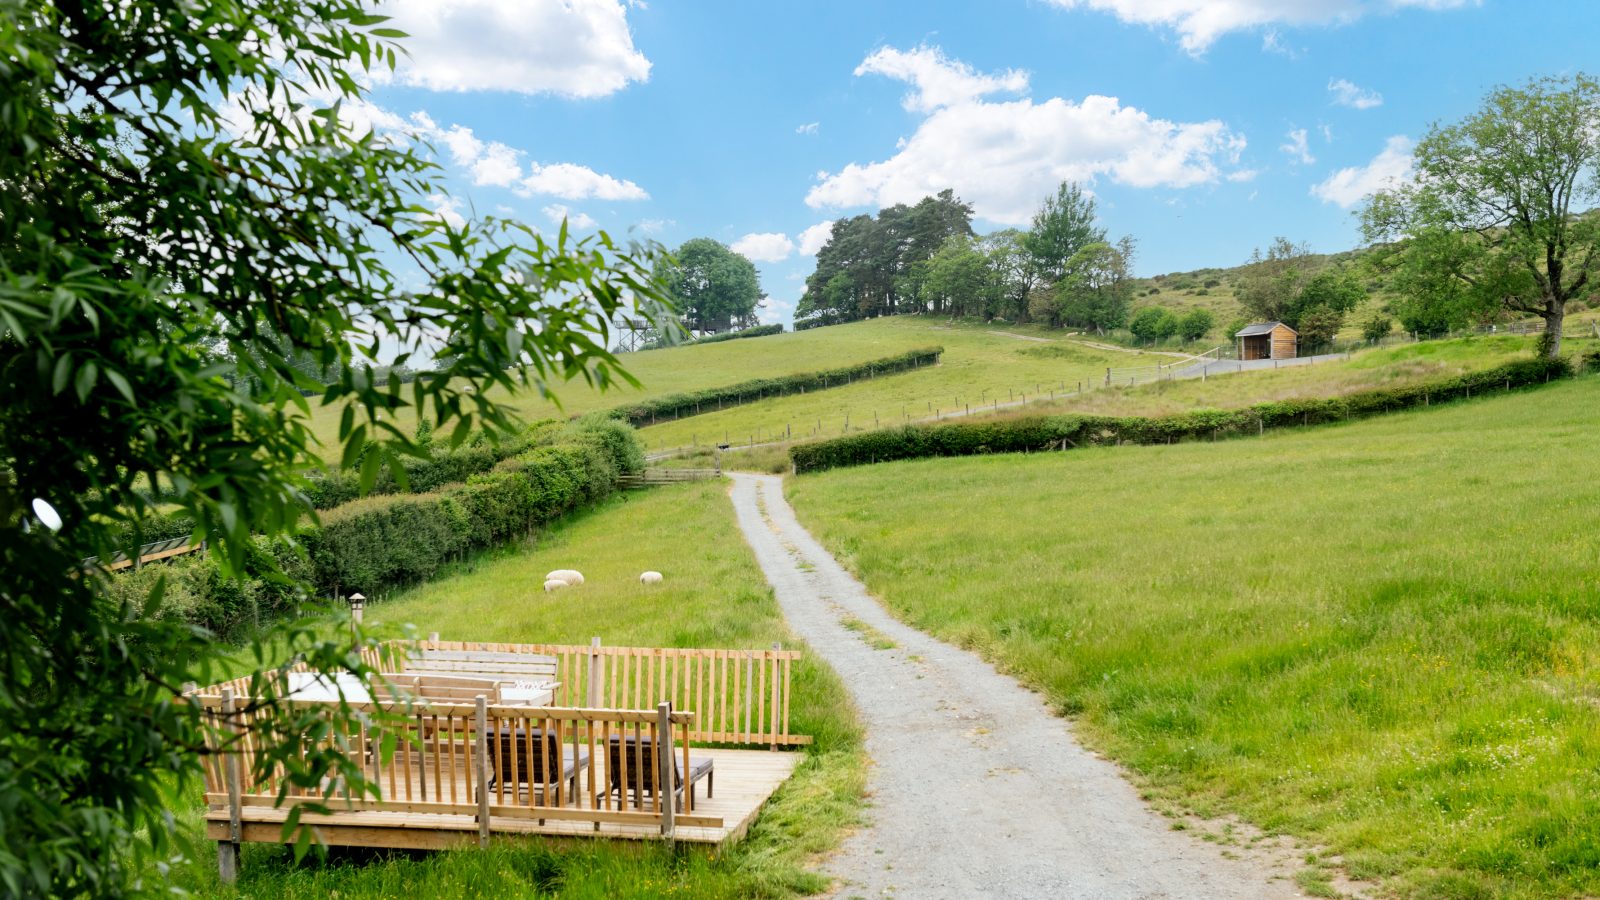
[[641, 778], [549, 764]]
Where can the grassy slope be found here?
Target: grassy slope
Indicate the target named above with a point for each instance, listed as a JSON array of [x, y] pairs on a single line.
[[1365, 370], [979, 362], [713, 596], [1379, 636], [678, 369]]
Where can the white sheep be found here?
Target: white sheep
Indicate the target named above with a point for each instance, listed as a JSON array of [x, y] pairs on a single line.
[[571, 576], [554, 584], [650, 578]]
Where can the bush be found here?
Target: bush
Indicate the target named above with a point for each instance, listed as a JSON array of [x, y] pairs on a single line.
[[1195, 324], [1152, 324], [1040, 433], [757, 331], [1376, 328], [677, 406]]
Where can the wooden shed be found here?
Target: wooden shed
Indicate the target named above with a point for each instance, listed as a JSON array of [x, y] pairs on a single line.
[[1267, 340]]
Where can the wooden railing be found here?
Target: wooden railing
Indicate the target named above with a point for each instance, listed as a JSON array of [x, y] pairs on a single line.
[[737, 696], [650, 477], [490, 762]]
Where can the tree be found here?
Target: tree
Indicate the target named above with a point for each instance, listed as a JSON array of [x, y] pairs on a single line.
[[1318, 327], [1195, 324], [1153, 324], [1495, 217], [713, 287], [1014, 274], [1376, 328], [1095, 290], [1285, 284], [959, 281], [185, 226], [1064, 224]]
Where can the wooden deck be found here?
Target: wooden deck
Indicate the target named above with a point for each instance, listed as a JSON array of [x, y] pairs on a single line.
[[745, 779]]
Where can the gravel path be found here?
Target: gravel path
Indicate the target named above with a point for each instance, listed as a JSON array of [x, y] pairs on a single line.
[[976, 789]]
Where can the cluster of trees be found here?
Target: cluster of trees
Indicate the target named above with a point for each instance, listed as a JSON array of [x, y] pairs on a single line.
[[715, 289], [1288, 284], [926, 259], [1154, 324]]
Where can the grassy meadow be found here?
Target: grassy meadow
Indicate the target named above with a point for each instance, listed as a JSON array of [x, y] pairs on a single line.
[[1380, 637], [713, 596]]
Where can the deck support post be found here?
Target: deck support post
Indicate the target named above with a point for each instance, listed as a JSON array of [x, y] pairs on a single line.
[[481, 762], [667, 782], [228, 851]]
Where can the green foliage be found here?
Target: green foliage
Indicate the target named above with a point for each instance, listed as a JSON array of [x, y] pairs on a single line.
[[959, 281], [677, 406], [171, 286], [1495, 219], [1095, 289], [1153, 324], [1043, 433], [1063, 226], [875, 266], [1376, 328], [1195, 324], [1285, 285], [714, 288]]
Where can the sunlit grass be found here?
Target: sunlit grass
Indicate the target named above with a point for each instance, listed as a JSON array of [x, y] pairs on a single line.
[[1383, 637], [713, 595]]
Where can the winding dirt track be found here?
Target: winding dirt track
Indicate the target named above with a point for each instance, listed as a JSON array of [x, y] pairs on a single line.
[[976, 789]]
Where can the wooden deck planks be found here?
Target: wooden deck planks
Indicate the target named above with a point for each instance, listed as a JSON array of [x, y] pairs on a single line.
[[745, 779]]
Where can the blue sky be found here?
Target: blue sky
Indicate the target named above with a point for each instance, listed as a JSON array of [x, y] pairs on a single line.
[[1203, 127]]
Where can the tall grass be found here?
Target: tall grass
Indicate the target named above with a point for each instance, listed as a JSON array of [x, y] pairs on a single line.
[[713, 596], [1382, 637]]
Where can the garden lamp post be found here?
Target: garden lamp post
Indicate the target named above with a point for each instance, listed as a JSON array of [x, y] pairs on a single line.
[[357, 604]]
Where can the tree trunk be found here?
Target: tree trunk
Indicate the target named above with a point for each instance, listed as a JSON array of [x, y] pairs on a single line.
[[1555, 313]]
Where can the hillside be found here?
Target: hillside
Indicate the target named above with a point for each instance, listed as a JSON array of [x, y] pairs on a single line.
[[1377, 637]]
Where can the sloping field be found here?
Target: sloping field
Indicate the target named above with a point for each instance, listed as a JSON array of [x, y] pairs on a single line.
[[1382, 637]]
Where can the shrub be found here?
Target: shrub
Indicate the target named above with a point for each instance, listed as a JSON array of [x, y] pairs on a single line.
[[677, 406], [1152, 324], [1195, 324], [1039, 433], [1376, 328], [757, 331]]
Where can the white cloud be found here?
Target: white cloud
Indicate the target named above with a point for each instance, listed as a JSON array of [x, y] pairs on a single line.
[[1327, 133], [1002, 157], [556, 212], [772, 246], [1200, 22], [447, 210], [1347, 187], [1348, 94], [808, 128], [574, 182], [654, 226], [1297, 147], [813, 238], [1243, 175], [938, 80], [575, 48]]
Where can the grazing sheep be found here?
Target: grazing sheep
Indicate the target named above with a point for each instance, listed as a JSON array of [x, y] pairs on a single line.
[[554, 584], [650, 578], [571, 576]]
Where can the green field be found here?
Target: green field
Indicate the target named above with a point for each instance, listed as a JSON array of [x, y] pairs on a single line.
[[1381, 637], [980, 363], [713, 596]]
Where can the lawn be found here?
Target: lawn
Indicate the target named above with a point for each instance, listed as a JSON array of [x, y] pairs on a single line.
[[1381, 637], [713, 596]]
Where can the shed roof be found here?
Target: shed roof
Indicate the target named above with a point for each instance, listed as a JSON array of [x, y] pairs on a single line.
[[1261, 328]]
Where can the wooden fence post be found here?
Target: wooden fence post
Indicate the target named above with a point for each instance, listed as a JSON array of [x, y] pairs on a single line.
[[482, 765], [593, 695], [666, 785], [228, 850]]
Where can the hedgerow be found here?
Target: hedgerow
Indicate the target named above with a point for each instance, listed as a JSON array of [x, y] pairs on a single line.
[[379, 542], [1035, 433], [757, 331], [677, 406]]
